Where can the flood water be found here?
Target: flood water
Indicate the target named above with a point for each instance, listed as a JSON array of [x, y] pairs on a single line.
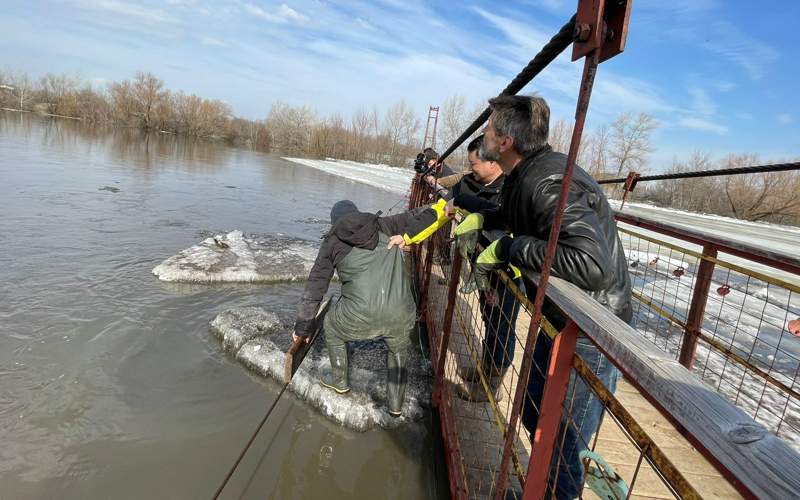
[[111, 385]]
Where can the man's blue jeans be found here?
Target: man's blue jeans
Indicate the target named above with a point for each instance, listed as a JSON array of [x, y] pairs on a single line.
[[566, 469], [500, 321]]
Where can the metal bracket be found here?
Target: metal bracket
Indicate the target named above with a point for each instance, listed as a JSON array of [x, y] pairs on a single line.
[[601, 25]]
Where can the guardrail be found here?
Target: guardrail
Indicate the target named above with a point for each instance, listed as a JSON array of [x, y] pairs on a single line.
[[726, 321], [642, 455]]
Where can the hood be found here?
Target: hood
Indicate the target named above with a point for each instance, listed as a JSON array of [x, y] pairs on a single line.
[[357, 229]]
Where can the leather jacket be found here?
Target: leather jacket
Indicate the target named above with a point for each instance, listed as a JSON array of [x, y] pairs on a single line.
[[589, 252]]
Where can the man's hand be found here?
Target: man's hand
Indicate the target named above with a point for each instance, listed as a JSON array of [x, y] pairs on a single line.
[[431, 180], [296, 338], [398, 241], [450, 209], [467, 233]]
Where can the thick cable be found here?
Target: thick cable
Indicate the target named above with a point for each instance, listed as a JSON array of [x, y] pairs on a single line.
[[549, 52], [756, 169]]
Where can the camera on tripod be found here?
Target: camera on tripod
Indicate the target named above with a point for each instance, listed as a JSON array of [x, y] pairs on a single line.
[[422, 163]]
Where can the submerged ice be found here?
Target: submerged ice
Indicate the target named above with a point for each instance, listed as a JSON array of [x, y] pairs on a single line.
[[234, 257], [258, 340]]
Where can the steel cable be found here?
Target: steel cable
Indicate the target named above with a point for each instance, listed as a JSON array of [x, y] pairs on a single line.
[[755, 169], [549, 52]]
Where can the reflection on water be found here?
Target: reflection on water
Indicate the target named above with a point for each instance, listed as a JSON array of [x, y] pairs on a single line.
[[110, 384]]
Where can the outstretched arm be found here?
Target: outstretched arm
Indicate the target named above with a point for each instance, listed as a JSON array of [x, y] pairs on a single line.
[[318, 281]]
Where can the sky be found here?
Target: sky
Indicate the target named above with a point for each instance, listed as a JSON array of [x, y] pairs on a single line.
[[718, 75]]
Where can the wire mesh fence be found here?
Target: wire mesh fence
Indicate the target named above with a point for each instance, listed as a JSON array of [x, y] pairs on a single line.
[[745, 348], [478, 339]]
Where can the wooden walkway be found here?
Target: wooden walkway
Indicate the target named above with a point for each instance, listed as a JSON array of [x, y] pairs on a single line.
[[480, 434]]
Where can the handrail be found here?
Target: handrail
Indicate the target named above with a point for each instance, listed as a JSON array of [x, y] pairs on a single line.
[[771, 258], [756, 462]]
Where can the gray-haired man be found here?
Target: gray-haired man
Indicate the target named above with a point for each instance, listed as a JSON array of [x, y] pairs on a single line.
[[589, 254]]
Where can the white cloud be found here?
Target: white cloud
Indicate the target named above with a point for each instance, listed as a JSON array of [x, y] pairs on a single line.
[[364, 24], [701, 102], [212, 42], [282, 15], [785, 118], [702, 125], [127, 9]]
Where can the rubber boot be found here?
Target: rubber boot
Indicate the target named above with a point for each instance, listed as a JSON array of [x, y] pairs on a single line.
[[396, 383], [338, 379]]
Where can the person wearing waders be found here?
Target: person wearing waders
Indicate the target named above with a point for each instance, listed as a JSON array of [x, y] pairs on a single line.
[[376, 299]]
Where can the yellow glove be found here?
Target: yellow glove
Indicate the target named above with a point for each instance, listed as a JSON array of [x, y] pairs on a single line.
[[467, 233], [494, 257]]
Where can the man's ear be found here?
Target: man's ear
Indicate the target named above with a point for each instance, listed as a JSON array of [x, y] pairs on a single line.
[[506, 144]]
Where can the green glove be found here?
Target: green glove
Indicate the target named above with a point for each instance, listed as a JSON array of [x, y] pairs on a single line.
[[467, 233], [494, 257]]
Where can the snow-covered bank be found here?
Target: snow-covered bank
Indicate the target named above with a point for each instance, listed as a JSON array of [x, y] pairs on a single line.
[[396, 180], [256, 339], [234, 257]]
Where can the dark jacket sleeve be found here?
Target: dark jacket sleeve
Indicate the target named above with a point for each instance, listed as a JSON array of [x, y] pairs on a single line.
[[493, 218], [318, 281], [582, 255], [472, 203]]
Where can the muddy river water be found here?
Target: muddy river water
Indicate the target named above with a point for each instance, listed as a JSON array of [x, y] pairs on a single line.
[[111, 385]]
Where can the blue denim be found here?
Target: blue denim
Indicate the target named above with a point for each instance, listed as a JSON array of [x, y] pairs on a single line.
[[566, 469], [500, 321]]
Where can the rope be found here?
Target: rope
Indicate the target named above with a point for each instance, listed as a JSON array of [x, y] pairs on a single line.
[[549, 52], [756, 169], [250, 442]]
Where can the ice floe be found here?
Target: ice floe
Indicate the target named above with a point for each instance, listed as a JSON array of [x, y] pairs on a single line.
[[256, 339], [234, 257]]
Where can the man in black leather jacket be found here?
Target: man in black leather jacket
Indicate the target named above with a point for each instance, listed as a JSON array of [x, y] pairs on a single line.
[[589, 254]]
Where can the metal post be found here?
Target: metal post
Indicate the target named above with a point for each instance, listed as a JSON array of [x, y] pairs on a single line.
[[697, 309], [549, 422], [587, 81], [447, 326]]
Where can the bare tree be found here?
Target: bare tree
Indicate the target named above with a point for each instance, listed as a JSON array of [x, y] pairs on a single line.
[[766, 196], [290, 126], [399, 126], [598, 152], [22, 91], [147, 93], [630, 140], [453, 119]]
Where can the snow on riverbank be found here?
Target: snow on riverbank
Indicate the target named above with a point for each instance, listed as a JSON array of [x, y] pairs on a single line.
[[396, 180]]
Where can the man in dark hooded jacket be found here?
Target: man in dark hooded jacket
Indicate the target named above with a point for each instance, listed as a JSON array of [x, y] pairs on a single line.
[[376, 297]]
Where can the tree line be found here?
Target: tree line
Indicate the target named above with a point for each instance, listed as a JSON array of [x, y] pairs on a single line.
[[393, 137]]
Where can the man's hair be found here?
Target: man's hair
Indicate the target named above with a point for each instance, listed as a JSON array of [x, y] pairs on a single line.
[[526, 119], [475, 145], [430, 154]]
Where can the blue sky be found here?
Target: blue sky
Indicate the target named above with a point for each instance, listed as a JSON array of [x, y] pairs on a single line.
[[718, 75]]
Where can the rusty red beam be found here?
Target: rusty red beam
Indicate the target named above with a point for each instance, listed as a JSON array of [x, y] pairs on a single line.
[[587, 81], [447, 326], [697, 308], [549, 422]]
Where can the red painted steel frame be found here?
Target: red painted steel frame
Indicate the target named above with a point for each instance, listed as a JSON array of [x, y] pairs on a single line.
[[549, 422], [587, 81], [694, 320]]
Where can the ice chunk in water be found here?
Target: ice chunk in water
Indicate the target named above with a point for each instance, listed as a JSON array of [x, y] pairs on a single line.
[[253, 336], [234, 257]]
